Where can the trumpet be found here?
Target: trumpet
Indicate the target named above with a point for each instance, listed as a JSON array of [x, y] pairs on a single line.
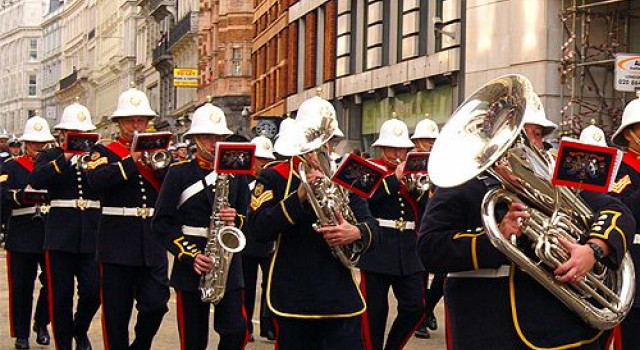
[[420, 183], [83, 162], [156, 160]]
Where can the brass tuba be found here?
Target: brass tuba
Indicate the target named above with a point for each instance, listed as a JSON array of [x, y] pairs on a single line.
[[486, 134], [223, 242]]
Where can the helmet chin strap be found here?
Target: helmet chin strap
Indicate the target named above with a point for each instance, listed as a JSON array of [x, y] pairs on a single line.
[[635, 139], [207, 155]]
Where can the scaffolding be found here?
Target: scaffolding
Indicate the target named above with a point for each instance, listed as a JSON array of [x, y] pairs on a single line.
[[593, 33]]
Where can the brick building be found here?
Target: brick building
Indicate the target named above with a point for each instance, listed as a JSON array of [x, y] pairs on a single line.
[[224, 59]]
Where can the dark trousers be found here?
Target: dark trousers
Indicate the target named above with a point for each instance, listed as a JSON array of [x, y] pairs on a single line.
[[62, 268], [408, 291], [250, 272], [120, 286], [433, 293], [22, 269], [318, 334], [630, 327], [229, 321]]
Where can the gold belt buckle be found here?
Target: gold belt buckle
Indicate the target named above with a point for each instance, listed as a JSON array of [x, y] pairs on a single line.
[[82, 204], [401, 225], [44, 209], [143, 212]]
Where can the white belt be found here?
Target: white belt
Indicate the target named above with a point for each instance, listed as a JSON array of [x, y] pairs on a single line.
[[636, 239], [29, 210], [397, 224], [502, 271], [195, 231], [142, 212], [81, 204]]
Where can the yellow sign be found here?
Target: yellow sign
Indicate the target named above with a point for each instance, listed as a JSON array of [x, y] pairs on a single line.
[[185, 77]]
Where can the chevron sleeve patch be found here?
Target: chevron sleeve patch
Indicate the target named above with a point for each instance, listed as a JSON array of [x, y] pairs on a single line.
[[621, 184]]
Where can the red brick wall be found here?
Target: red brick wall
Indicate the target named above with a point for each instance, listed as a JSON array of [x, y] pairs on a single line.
[[310, 50], [331, 16], [292, 76]]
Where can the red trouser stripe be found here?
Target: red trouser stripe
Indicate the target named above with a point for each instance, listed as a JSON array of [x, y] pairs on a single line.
[[366, 332], [105, 338], [12, 328], [47, 264], [246, 322], [276, 326], [180, 316]]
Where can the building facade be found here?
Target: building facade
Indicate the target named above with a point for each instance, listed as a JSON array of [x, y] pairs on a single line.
[[51, 60], [224, 42], [21, 52]]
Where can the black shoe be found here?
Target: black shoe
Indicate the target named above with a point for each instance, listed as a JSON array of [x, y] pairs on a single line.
[[423, 333], [432, 322], [22, 343], [42, 334], [82, 342]]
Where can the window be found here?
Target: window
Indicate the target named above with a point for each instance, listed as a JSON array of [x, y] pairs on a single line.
[[236, 57], [32, 85], [31, 113], [33, 49]]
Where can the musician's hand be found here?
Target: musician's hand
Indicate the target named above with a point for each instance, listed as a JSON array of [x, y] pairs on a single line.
[[511, 224], [581, 261], [312, 176], [136, 156], [202, 264], [341, 234], [400, 170], [228, 215]]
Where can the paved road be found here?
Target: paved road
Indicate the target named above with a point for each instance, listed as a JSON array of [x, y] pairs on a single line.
[[167, 338]]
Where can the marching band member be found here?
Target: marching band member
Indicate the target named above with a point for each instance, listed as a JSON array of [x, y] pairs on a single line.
[[70, 235], [182, 152], [25, 234], [627, 189], [15, 147], [424, 136], [492, 305], [133, 264], [182, 222], [594, 135], [394, 263], [257, 254], [313, 296], [4, 146]]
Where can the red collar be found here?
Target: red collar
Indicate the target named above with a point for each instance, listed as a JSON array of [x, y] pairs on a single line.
[[632, 158], [124, 142], [203, 163], [380, 161]]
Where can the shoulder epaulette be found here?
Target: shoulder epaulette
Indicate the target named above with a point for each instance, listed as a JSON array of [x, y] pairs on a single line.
[[8, 159], [180, 162]]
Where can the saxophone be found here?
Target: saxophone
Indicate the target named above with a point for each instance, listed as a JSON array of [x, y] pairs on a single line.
[[326, 198], [222, 242]]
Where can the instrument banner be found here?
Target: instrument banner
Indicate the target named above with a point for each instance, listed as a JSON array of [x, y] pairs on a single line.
[[586, 166], [417, 163], [359, 175], [151, 141], [80, 142], [235, 158]]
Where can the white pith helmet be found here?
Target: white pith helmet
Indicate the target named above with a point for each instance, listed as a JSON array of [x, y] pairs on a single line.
[[286, 123], [593, 135], [535, 115], [264, 147], [315, 124], [181, 145], [630, 116], [394, 133], [75, 117], [426, 129], [37, 130], [133, 103], [208, 120], [4, 134]]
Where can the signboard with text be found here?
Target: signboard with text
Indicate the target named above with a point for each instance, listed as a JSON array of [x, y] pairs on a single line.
[[185, 77], [627, 70]]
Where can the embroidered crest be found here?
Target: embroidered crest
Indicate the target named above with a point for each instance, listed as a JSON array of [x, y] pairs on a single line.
[[37, 126], [258, 190], [215, 118], [95, 155], [397, 131], [81, 116]]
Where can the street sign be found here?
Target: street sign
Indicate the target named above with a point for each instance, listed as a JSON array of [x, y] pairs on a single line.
[[185, 77], [627, 77]]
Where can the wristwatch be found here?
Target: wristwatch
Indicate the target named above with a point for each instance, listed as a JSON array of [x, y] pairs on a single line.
[[598, 253]]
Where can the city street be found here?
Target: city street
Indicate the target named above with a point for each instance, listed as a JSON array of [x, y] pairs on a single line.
[[167, 339]]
